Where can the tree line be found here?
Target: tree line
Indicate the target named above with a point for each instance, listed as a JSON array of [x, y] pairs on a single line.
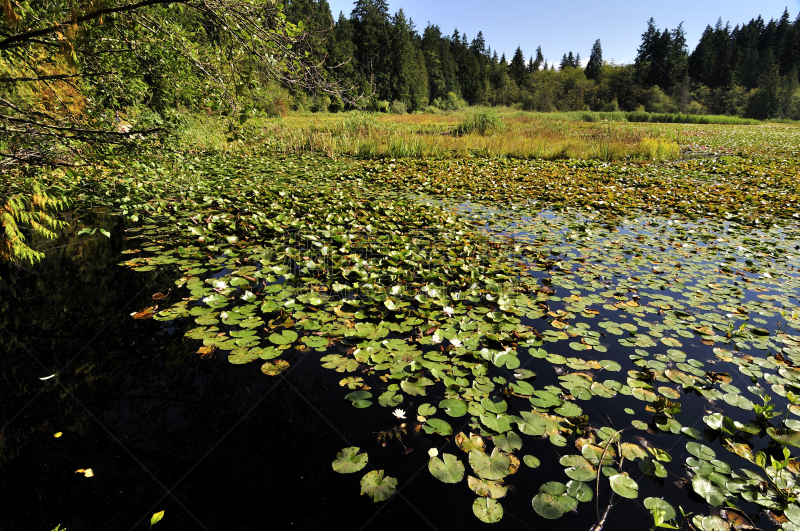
[[749, 70]]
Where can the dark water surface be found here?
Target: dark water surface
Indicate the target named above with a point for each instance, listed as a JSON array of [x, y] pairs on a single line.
[[222, 446]]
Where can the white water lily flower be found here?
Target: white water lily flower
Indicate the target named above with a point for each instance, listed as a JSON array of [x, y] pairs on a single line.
[[399, 413], [436, 339], [456, 342], [433, 452], [448, 311], [220, 285]]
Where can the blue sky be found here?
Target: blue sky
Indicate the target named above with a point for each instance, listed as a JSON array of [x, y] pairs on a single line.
[[559, 27]]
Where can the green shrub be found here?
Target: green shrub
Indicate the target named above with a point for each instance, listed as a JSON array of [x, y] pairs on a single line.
[[397, 107], [483, 121], [358, 122]]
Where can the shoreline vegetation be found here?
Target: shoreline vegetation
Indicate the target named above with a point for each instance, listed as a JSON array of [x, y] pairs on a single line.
[[470, 132]]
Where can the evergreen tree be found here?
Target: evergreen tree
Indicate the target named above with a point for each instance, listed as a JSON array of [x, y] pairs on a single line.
[[517, 69], [478, 45], [342, 53], [677, 57], [404, 57], [537, 63], [371, 36], [594, 67], [764, 102]]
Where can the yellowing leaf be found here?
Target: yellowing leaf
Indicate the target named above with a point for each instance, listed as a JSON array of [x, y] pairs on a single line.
[[156, 518]]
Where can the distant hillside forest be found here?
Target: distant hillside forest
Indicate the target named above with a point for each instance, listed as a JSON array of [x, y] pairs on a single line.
[[749, 70]]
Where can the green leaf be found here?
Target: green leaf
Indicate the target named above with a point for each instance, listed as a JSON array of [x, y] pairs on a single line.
[[284, 338], [785, 436], [348, 460], [437, 426], [487, 510], [449, 469], [415, 386], [494, 466], [700, 451], [580, 491], [508, 442], [453, 407], [378, 487], [657, 504], [315, 341], [624, 486], [359, 399], [710, 491], [531, 461], [426, 410], [552, 501], [579, 468]]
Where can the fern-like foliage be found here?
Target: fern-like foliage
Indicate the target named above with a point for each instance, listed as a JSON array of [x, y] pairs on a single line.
[[34, 211]]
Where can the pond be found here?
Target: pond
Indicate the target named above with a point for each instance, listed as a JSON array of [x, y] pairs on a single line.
[[600, 361]]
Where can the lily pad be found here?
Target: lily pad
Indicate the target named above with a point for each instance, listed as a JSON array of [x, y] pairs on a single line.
[[624, 486], [448, 469], [348, 460], [494, 466], [377, 486], [487, 510]]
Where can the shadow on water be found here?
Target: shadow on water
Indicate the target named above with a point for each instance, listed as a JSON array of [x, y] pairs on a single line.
[[138, 406]]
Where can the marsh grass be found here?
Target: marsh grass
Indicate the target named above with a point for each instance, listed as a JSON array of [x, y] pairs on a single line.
[[467, 133], [653, 118]]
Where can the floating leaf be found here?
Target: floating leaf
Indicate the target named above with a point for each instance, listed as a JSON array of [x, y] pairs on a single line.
[[551, 501], [378, 487], [707, 489], [579, 468], [657, 504], [531, 461], [453, 407], [348, 460], [156, 518], [494, 466], [448, 469], [438, 426], [785, 436], [487, 510], [488, 489], [359, 399], [624, 486], [275, 368], [284, 338], [580, 491]]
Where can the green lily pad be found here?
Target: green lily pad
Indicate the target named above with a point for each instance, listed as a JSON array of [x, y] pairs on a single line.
[[348, 460], [785, 436], [708, 490], [494, 466], [580, 491], [624, 486], [551, 501], [448, 469], [578, 467], [657, 504], [437, 426], [531, 461], [454, 407], [377, 486], [284, 338], [487, 510]]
